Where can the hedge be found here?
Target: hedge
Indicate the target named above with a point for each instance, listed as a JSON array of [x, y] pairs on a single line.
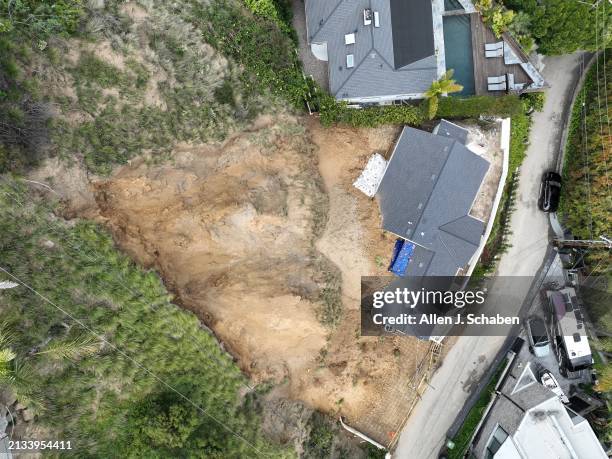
[[472, 107], [334, 112]]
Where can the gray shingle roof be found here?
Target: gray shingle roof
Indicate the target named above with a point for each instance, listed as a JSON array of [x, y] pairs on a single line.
[[412, 31], [396, 58], [448, 129], [509, 410], [426, 195]]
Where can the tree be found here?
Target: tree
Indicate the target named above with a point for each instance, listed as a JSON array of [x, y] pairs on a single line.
[[495, 15], [166, 424], [561, 26], [17, 372], [164, 421], [501, 19], [445, 85]]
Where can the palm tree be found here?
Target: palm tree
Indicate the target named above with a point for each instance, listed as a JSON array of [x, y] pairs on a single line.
[[17, 373], [445, 85]]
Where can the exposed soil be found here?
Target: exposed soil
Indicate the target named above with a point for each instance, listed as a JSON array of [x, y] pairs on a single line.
[[246, 234]]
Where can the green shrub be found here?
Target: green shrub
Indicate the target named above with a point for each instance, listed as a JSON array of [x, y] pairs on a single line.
[[535, 100], [334, 112], [40, 18], [472, 107], [278, 11], [562, 27], [112, 402], [91, 69], [321, 437], [224, 94], [257, 43], [585, 197]]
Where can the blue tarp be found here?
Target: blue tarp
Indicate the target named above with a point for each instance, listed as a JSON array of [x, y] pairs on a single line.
[[402, 254]]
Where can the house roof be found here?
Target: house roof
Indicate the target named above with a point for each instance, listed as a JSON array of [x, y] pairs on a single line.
[[448, 129], [397, 58], [533, 417], [426, 195]]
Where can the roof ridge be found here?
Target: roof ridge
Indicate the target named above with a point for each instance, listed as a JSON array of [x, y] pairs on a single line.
[[452, 253], [441, 227], [353, 72], [456, 235], [416, 226], [321, 26]]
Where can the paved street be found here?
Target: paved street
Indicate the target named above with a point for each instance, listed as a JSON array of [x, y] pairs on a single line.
[[425, 431]]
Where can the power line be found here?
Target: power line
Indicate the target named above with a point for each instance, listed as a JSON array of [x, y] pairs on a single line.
[[601, 130], [585, 153], [603, 31], [139, 365], [138, 293], [134, 291]]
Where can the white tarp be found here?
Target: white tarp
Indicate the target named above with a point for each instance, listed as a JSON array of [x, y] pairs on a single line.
[[371, 176]]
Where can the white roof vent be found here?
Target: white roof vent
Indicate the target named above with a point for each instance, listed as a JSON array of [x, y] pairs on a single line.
[[349, 39], [367, 16], [350, 61], [376, 19]]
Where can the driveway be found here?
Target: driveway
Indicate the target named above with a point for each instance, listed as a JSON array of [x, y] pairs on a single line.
[[425, 432]]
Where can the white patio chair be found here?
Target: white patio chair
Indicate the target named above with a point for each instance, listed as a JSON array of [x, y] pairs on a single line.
[[494, 46], [497, 87], [494, 53], [496, 79]]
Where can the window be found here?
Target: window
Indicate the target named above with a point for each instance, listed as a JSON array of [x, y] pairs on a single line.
[[497, 439]]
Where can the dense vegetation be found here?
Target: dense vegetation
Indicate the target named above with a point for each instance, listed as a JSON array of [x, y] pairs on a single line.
[[586, 201], [159, 84], [586, 207], [561, 26], [156, 383]]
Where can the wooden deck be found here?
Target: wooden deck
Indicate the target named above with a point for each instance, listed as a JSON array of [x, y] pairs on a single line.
[[490, 66]]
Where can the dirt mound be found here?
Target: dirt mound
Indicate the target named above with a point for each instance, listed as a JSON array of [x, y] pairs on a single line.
[[231, 231], [265, 239]]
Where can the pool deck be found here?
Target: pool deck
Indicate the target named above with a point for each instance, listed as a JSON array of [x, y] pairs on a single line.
[[485, 67]]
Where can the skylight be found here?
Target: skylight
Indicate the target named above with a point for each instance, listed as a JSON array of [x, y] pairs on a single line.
[[350, 61], [349, 39]]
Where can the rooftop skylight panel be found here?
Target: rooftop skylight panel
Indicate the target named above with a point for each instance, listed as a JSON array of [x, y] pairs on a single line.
[[349, 39], [350, 61]]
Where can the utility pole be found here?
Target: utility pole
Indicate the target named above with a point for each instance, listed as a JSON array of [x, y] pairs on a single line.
[[601, 243]]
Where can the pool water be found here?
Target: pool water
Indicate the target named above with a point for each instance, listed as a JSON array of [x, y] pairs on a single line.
[[452, 5], [458, 51]]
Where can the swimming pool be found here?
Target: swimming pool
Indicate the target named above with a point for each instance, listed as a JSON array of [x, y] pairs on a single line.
[[452, 5], [458, 51]]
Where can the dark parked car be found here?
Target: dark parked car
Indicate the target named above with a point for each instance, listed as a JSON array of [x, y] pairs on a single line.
[[537, 334], [550, 192]]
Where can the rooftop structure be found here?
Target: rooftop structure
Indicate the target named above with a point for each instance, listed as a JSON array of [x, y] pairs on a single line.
[[528, 420], [426, 194], [392, 44], [381, 51]]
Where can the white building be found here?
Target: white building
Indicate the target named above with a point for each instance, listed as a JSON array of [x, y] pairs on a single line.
[[528, 421]]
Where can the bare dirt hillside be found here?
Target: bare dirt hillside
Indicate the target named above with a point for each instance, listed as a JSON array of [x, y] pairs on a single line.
[[264, 237]]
